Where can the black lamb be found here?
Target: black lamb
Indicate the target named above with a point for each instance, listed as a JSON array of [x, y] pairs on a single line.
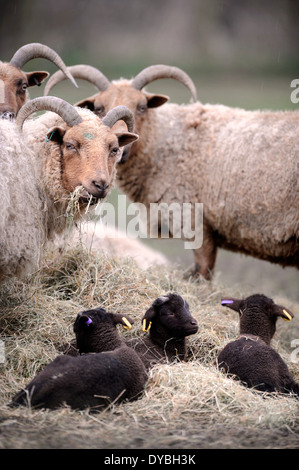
[[250, 358], [168, 321], [115, 373]]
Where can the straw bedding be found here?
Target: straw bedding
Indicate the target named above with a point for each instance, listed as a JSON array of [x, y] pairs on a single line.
[[184, 406]]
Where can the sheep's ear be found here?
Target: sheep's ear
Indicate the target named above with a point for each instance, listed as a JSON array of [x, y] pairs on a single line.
[[124, 320], [283, 312], [87, 103], [55, 134], [126, 138], [36, 78], [232, 303], [154, 101]]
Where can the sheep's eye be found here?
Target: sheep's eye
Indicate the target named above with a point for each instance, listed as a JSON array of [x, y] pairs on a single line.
[[114, 151], [69, 146], [99, 110], [141, 108], [24, 86]]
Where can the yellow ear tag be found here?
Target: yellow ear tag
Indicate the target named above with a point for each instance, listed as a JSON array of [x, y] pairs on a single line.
[[128, 325], [288, 316], [144, 326]]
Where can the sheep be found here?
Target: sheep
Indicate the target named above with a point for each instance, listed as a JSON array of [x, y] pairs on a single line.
[[241, 165], [14, 82], [168, 321], [250, 358], [112, 375], [67, 150]]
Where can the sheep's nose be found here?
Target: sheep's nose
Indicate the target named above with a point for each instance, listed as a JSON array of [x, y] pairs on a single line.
[[8, 115], [101, 187]]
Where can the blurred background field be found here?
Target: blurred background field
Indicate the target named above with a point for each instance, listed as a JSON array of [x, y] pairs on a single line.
[[241, 54]]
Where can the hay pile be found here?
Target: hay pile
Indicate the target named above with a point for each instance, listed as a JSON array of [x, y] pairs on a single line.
[[185, 405]]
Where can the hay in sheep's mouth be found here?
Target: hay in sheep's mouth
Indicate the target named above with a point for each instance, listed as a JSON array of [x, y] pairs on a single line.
[[79, 202]]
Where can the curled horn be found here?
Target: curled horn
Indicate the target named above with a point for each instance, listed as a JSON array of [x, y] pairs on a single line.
[[154, 72], [51, 103], [85, 72], [119, 113], [34, 50]]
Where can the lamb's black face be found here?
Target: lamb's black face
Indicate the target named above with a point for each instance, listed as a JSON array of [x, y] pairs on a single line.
[[175, 316], [89, 324], [88, 320]]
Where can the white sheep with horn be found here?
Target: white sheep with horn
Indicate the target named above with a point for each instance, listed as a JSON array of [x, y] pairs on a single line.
[[40, 168], [14, 82], [241, 165]]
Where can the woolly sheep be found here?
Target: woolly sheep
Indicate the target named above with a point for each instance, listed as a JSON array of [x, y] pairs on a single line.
[[14, 82], [57, 153], [242, 165], [250, 357], [91, 380]]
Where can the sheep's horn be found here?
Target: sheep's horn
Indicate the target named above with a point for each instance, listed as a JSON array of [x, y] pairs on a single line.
[[119, 113], [51, 103], [154, 72], [85, 72], [34, 50]]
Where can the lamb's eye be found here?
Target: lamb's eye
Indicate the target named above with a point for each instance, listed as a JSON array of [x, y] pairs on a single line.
[[24, 86]]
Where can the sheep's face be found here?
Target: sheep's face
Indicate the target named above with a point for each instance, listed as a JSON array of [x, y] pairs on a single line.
[[122, 93], [258, 315], [13, 88], [172, 313], [94, 329], [89, 154]]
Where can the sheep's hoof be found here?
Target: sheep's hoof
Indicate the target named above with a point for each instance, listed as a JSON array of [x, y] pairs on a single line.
[[194, 274]]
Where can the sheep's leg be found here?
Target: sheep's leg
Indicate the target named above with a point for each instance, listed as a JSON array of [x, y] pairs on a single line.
[[205, 257]]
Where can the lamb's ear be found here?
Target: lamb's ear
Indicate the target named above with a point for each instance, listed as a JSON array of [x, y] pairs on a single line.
[[87, 103], [85, 320], [147, 319], [232, 303], [154, 101], [283, 312], [126, 138], [55, 134], [124, 320]]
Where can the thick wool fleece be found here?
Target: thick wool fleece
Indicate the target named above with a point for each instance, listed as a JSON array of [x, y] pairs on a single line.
[[242, 165], [21, 207], [33, 198]]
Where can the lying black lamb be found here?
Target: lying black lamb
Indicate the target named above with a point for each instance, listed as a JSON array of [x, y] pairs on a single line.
[[250, 357], [114, 374], [168, 321]]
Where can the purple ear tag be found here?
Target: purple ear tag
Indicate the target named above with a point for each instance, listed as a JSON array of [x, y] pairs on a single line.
[[224, 302], [88, 321]]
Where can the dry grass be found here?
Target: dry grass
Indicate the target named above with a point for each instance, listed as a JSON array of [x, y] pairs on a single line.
[[185, 405]]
